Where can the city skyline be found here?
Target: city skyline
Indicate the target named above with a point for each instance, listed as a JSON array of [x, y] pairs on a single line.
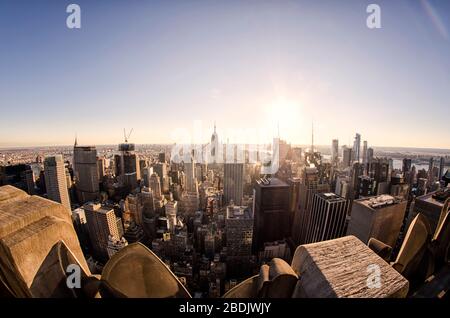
[[158, 67]]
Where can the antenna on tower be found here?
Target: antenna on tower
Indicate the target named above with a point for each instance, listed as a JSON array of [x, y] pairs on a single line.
[[76, 140], [126, 137], [312, 136]]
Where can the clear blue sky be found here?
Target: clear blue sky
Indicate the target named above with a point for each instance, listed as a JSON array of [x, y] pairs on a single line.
[[160, 65]]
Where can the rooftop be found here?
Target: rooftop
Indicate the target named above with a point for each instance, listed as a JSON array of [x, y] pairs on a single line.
[[332, 197], [435, 197], [271, 182], [380, 201], [238, 212]]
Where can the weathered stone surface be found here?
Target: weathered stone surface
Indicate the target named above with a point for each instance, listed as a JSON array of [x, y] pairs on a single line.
[[135, 271], [30, 226], [341, 268], [245, 289]]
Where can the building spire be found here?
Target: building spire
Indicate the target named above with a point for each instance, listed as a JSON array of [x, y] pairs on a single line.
[[214, 126], [312, 137], [76, 140]]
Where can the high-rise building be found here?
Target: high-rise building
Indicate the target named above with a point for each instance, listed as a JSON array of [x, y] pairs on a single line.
[[102, 224], [380, 171], [189, 171], [356, 148], [328, 217], [430, 205], [294, 197], [80, 225], [406, 166], [171, 208], [412, 176], [233, 183], [146, 174], [127, 162], [161, 170], [215, 150], [55, 180], [155, 185], [399, 188], [271, 212], [430, 171], [30, 180], [335, 151], [422, 186], [364, 156], [367, 186], [101, 167], [441, 167], [86, 173], [379, 217], [369, 157], [309, 186], [239, 234], [162, 157], [347, 156]]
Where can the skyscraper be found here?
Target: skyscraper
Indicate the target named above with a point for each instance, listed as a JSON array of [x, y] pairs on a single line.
[[335, 151], [215, 151], [380, 172], [328, 217], [239, 233], [155, 185], [127, 163], [369, 156], [271, 212], [102, 224], [441, 167], [161, 170], [189, 171], [309, 186], [379, 217], [364, 156], [233, 182], [346, 156], [55, 180], [406, 167], [171, 208], [86, 173], [357, 147], [430, 171], [101, 168]]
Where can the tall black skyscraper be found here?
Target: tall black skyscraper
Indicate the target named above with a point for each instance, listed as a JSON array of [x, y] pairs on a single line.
[[271, 212]]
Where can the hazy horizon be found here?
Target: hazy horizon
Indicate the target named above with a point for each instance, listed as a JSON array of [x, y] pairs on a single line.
[[168, 144]]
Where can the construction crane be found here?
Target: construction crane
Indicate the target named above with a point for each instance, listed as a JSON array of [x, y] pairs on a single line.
[[127, 136]]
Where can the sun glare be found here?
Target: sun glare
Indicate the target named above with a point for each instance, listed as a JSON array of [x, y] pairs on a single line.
[[285, 114]]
